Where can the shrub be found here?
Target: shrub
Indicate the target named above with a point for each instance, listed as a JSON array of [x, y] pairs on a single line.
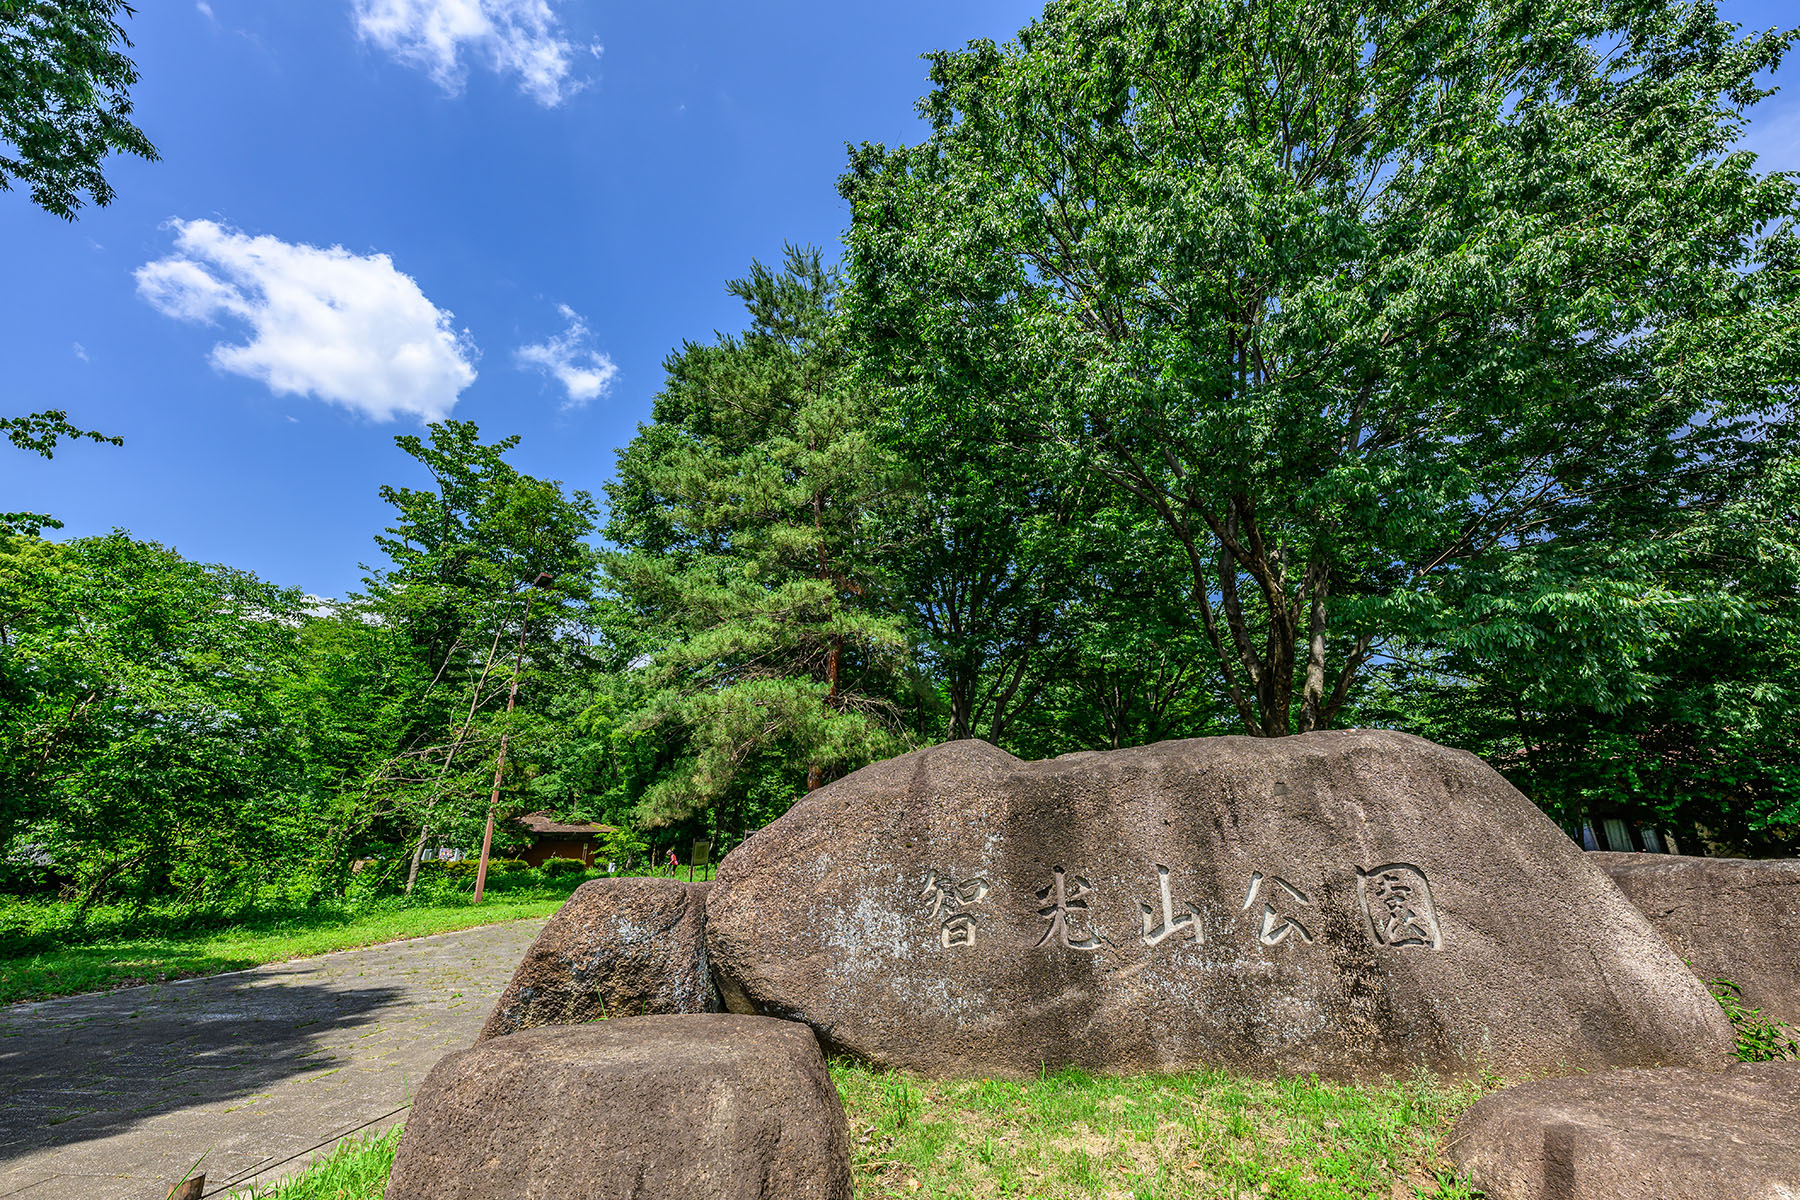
[[466, 869], [563, 866]]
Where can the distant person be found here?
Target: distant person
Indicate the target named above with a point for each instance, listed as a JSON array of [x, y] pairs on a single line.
[[672, 863]]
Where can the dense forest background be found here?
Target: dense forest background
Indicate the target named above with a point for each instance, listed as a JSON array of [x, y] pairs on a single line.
[[1199, 375]]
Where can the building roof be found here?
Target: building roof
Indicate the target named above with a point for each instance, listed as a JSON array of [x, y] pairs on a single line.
[[543, 824]]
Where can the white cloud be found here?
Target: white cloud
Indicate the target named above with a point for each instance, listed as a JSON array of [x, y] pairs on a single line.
[[81, 352], [204, 8], [346, 328], [521, 37], [568, 358]]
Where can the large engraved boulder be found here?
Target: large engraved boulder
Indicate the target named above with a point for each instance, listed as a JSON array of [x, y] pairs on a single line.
[[1638, 1135], [1349, 903], [701, 1107], [1730, 918], [618, 947]]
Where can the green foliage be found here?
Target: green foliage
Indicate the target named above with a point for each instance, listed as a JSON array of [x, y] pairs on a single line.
[[621, 846], [744, 515], [1705, 744], [553, 867], [485, 603], [1399, 320], [1759, 1038], [465, 870], [65, 99], [145, 739], [355, 1169], [169, 728], [39, 433]]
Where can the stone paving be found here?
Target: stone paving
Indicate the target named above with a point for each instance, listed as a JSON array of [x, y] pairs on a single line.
[[116, 1096]]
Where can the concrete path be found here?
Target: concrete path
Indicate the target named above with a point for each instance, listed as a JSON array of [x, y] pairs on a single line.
[[116, 1096]]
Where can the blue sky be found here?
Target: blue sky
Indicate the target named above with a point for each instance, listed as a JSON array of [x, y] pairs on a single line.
[[371, 212]]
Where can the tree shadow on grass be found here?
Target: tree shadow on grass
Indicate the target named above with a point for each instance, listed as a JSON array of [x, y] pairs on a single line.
[[84, 1067]]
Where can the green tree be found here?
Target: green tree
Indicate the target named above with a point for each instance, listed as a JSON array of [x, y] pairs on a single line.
[[745, 514], [65, 99], [144, 739], [1707, 747], [983, 541], [1359, 301], [1135, 667], [489, 579]]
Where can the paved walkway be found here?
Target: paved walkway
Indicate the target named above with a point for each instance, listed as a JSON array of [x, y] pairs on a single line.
[[116, 1096]]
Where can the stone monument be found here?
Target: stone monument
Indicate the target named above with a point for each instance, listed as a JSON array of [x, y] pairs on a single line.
[[1350, 903]]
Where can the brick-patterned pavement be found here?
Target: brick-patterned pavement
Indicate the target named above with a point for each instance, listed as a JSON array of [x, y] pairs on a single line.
[[115, 1096]]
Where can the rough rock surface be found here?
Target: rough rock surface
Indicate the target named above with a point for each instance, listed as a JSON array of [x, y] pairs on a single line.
[[702, 1107], [619, 947], [1352, 903], [1730, 918], [1638, 1135]]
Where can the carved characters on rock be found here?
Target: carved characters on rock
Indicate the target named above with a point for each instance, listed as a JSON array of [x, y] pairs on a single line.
[[1396, 904], [950, 902], [1351, 903], [1396, 899]]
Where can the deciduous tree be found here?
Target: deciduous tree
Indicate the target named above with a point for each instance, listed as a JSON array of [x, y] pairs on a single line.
[[1358, 300]]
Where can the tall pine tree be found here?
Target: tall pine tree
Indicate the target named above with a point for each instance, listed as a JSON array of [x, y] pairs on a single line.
[[746, 514]]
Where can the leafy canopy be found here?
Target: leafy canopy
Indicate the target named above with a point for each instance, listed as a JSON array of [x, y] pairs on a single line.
[[1359, 301], [65, 99]]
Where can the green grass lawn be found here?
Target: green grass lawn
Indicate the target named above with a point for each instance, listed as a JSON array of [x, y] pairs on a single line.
[[44, 953], [1205, 1134], [122, 959]]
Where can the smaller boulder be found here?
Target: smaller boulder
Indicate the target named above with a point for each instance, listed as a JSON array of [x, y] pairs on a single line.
[[1730, 918], [700, 1107], [618, 948], [1671, 1134]]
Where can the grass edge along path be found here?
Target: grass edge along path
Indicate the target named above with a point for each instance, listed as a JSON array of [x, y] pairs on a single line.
[[117, 962], [1202, 1134], [357, 1167]]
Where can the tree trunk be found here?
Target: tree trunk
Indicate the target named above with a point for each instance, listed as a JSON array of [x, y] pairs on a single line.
[[1261, 683], [412, 871]]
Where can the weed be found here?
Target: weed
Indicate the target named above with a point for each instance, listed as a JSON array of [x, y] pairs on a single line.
[[1759, 1038]]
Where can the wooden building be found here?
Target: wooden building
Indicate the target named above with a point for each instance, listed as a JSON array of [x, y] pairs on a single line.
[[551, 838]]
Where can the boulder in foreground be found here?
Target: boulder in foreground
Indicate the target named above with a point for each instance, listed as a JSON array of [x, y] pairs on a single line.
[[1730, 918], [618, 947], [702, 1107], [1349, 903], [1638, 1135]]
